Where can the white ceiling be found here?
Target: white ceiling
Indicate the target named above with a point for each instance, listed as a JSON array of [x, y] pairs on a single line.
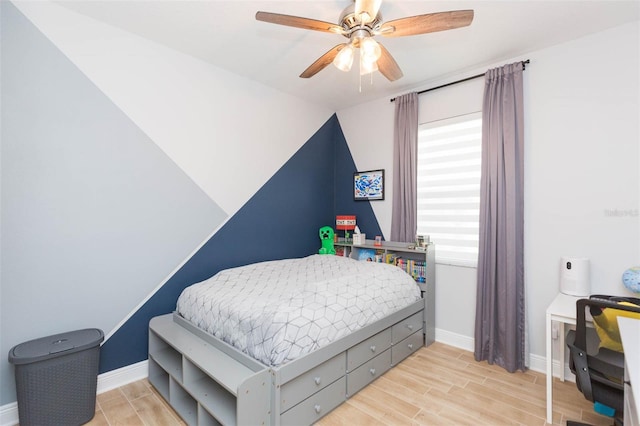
[[226, 34]]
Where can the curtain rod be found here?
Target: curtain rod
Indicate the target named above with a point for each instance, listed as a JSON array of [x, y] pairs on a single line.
[[524, 66]]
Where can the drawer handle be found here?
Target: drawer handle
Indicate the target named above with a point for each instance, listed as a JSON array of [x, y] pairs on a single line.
[[317, 380], [410, 345], [372, 371], [317, 408], [410, 326], [373, 348]]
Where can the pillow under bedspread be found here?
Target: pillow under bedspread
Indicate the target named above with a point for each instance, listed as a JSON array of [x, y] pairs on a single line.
[[279, 310]]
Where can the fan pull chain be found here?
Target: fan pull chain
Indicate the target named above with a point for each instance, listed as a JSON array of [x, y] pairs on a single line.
[[360, 81], [360, 75]]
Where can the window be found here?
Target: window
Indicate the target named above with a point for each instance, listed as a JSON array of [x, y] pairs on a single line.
[[449, 160]]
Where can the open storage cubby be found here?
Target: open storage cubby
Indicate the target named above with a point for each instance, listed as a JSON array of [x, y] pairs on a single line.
[[183, 403], [200, 381]]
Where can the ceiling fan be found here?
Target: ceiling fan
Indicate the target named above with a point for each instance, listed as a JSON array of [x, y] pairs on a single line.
[[360, 22]]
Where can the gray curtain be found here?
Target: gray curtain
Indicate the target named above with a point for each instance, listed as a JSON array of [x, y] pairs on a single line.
[[404, 222], [500, 316]]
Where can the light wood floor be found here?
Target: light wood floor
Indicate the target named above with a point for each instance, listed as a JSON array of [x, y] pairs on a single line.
[[438, 385]]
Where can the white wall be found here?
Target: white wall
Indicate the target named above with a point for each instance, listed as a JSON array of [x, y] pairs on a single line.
[[195, 112], [582, 144]]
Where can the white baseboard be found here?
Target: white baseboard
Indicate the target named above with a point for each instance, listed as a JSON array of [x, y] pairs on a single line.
[[536, 362], [106, 382], [122, 376], [9, 414], [454, 339], [539, 364]]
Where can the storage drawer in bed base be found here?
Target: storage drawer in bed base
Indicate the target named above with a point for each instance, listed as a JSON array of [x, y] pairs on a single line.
[[364, 351], [316, 406], [368, 372], [312, 381], [407, 327], [403, 349]]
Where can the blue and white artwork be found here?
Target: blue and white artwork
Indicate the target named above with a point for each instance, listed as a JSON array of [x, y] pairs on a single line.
[[368, 185]]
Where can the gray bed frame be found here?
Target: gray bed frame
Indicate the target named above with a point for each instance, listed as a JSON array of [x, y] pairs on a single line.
[[208, 382]]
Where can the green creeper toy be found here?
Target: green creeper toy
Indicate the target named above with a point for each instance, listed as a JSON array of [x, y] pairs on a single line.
[[326, 237]]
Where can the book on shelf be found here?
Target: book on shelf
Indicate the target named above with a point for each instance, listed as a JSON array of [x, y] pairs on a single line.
[[416, 268], [391, 258], [367, 254]]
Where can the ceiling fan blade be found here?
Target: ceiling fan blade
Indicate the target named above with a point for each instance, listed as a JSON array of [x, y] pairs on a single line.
[[429, 23], [295, 21], [369, 7], [322, 62], [388, 66]]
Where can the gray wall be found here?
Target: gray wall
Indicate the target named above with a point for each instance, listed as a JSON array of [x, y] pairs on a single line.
[[94, 214]]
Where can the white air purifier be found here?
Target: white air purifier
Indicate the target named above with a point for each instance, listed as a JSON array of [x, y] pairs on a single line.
[[574, 276]]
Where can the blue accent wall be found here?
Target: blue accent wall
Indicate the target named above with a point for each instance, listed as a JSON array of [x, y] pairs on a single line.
[[280, 221]]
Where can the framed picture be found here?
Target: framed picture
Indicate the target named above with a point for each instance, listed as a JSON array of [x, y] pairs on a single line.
[[368, 185]]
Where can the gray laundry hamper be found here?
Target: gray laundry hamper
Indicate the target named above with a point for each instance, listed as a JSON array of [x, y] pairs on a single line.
[[56, 378]]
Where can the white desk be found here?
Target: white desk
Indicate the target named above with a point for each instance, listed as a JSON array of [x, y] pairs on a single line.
[[630, 334], [563, 311]]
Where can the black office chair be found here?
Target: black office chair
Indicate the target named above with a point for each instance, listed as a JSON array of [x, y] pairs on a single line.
[[599, 369]]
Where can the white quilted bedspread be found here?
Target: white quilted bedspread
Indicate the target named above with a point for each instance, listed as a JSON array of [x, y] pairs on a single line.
[[279, 310]]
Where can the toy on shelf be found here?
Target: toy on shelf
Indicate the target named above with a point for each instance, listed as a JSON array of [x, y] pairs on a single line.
[[346, 223], [326, 238]]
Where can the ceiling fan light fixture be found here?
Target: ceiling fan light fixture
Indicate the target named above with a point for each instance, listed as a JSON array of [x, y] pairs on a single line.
[[344, 59], [367, 66], [370, 50]]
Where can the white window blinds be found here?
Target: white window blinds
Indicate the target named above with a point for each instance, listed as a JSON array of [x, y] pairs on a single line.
[[449, 157]]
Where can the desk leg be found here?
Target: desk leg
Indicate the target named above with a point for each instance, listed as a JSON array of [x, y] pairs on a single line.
[[549, 371], [561, 335]]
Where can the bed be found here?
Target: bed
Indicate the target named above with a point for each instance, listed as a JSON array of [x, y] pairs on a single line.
[[285, 342]]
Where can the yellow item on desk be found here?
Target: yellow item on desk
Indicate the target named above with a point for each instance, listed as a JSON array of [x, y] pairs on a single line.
[[606, 325]]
